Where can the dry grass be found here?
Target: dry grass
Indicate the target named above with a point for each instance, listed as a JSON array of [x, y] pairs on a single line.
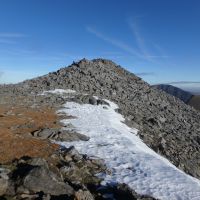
[[15, 125]]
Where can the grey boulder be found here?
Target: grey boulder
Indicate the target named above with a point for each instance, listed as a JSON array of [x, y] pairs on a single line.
[[41, 179]]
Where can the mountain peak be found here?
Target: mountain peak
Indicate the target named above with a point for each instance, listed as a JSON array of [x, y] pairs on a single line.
[[100, 70], [95, 63], [164, 121]]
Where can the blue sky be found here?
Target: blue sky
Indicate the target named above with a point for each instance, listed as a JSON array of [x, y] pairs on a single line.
[[158, 40]]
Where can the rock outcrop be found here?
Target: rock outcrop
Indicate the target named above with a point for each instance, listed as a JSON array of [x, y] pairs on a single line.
[[67, 175]]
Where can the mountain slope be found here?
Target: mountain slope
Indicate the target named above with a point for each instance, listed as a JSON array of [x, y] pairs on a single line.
[[165, 123], [175, 91], [129, 160], [187, 97], [195, 102], [32, 166]]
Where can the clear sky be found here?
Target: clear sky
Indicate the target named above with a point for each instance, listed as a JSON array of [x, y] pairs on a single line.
[[157, 39]]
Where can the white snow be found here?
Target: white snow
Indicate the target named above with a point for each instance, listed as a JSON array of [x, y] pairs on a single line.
[[59, 91], [130, 160]]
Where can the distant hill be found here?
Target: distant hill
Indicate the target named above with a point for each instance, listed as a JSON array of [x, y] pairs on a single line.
[[175, 91], [195, 102], [185, 96]]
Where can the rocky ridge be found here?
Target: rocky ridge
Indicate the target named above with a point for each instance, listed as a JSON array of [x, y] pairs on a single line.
[[165, 123]]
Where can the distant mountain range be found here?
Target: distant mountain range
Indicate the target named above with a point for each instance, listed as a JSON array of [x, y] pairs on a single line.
[[175, 91], [187, 97]]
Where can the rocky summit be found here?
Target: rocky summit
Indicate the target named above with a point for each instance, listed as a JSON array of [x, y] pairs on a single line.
[[166, 124]]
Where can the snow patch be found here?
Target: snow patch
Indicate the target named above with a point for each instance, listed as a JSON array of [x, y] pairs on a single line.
[[126, 155], [59, 91]]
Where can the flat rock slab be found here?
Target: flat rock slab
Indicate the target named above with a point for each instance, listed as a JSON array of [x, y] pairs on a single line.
[[58, 134]]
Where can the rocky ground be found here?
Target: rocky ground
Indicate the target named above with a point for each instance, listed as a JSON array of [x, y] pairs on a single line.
[[166, 124], [32, 167]]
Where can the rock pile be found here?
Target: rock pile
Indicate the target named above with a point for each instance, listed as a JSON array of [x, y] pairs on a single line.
[[166, 124], [32, 167], [67, 175]]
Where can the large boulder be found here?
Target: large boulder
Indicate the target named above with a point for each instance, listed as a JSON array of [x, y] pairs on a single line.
[[42, 179]]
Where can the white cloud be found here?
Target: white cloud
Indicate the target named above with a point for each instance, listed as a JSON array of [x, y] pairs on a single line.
[[12, 35], [185, 82], [6, 41], [10, 38], [145, 74], [140, 40], [142, 52], [115, 42]]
